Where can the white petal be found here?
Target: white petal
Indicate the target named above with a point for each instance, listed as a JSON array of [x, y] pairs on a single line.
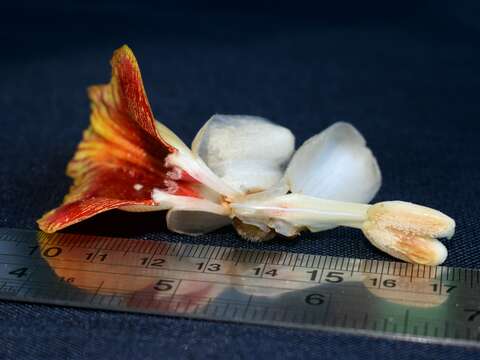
[[195, 222], [189, 215], [249, 153], [335, 164]]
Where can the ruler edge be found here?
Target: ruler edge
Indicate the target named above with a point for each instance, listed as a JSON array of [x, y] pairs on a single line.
[[376, 334], [188, 242]]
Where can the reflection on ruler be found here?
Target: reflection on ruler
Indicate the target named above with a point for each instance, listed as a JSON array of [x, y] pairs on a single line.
[[262, 287]]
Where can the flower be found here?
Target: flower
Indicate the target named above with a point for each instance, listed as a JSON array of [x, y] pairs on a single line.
[[241, 170]]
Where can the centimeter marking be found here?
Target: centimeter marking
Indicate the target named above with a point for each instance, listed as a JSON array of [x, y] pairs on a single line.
[[380, 298]]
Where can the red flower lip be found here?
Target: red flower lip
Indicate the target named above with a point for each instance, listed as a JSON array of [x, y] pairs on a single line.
[[121, 148]]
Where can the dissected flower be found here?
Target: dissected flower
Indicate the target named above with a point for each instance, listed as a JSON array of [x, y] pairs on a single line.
[[241, 170]]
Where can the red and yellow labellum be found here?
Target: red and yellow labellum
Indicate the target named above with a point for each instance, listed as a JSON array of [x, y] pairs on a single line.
[[121, 157]]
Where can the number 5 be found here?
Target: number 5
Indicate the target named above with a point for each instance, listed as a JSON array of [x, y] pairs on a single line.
[[164, 285], [334, 277]]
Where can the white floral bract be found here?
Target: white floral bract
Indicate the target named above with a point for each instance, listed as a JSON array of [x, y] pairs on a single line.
[[249, 154]]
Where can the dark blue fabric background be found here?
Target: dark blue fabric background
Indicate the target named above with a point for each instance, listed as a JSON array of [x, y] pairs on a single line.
[[406, 74]]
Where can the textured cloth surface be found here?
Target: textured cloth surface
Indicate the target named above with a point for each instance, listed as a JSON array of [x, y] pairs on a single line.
[[408, 79]]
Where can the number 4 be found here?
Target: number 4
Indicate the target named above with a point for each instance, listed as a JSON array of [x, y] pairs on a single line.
[[19, 272]]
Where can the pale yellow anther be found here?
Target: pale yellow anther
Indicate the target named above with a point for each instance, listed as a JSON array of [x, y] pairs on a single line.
[[409, 231]]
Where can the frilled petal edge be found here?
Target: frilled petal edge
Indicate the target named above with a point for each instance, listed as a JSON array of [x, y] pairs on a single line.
[[121, 158]]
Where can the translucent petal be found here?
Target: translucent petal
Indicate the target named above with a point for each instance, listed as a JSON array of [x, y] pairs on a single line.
[[247, 152], [336, 165], [195, 222], [189, 215]]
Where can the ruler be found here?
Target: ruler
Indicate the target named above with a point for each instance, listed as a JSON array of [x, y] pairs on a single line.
[[380, 298]]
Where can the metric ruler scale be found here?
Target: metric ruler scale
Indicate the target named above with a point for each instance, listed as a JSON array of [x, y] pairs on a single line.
[[381, 298]]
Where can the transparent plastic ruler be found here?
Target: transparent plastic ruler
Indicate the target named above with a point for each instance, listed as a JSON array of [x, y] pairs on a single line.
[[380, 298]]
